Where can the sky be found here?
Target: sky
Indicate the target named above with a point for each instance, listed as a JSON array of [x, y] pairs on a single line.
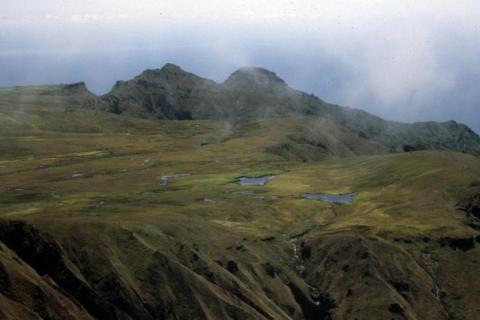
[[404, 60]]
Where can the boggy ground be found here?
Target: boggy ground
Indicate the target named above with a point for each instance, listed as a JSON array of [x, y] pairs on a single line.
[[89, 231]]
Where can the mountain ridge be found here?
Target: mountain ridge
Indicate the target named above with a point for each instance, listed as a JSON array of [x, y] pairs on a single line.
[[253, 93]]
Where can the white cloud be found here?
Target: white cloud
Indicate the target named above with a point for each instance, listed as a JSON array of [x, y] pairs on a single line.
[[336, 12], [396, 52]]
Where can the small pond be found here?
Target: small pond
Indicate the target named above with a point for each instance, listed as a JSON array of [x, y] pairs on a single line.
[[333, 198], [260, 181]]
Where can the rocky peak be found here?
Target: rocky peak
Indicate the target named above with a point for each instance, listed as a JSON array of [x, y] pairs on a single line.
[[254, 77], [172, 68], [168, 72]]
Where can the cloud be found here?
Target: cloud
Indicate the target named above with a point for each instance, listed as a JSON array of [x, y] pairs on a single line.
[[96, 17], [401, 68], [402, 59]]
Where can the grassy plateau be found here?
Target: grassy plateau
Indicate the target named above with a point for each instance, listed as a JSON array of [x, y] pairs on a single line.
[[102, 233]]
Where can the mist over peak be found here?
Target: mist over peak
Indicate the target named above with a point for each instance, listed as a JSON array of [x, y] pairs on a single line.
[[254, 76], [167, 69]]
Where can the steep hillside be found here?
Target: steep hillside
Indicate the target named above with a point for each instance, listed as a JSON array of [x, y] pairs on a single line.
[[145, 219], [168, 93]]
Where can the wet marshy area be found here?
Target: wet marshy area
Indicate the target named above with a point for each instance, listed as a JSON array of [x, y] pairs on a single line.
[[259, 181], [346, 198], [165, 179]]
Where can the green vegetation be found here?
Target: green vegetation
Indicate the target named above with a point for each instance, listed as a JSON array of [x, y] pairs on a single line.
[[101, 225]]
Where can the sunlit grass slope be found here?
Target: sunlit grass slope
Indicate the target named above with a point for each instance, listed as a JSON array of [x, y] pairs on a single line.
[[93, 181]]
